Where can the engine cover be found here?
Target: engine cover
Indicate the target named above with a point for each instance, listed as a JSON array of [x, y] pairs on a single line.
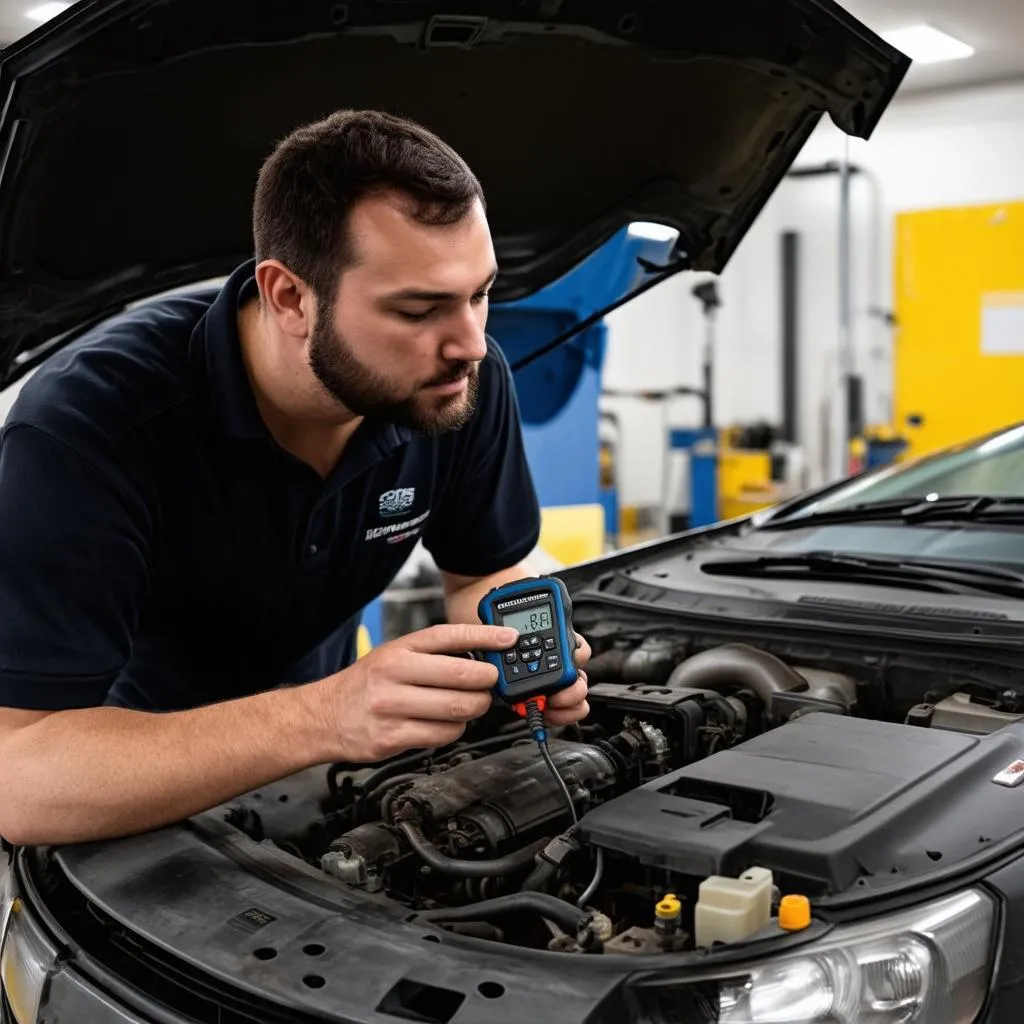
[[825, 802]]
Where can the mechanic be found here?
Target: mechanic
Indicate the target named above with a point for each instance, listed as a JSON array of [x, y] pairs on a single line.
[[199, 496]]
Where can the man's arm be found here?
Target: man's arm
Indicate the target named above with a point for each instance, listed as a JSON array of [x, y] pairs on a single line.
[[462, 594], [94, 773], [88, 773]]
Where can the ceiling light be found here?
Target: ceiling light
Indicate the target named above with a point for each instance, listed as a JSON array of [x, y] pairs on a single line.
[[44, 12], [927, 45]]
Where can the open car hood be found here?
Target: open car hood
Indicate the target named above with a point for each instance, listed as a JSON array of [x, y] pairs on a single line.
[[132, 131]]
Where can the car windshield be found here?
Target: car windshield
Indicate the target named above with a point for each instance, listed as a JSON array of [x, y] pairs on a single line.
[[992, 466]]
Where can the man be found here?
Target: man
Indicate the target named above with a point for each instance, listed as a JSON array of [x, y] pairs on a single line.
[[197, 499]]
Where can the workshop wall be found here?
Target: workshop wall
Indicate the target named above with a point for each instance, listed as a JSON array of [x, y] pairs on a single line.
[[931, 150]]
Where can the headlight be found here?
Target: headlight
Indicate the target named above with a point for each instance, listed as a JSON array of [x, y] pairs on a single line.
[[26, 959], [929, 965]]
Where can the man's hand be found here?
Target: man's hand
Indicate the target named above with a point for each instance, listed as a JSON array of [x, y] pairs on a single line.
[[570, 705], [413, 692]]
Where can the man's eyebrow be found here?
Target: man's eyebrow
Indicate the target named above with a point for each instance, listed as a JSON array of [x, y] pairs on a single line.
[[425, 295]]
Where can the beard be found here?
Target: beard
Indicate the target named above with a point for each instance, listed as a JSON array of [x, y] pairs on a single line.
[[365, 392]]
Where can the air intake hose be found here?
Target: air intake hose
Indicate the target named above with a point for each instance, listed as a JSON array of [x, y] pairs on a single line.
[[738, 666]]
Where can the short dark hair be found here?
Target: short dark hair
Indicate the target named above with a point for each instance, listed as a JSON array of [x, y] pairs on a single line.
[[308, 186]]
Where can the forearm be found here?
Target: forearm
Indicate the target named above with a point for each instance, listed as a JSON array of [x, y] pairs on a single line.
[[101, 772], [462, 594]]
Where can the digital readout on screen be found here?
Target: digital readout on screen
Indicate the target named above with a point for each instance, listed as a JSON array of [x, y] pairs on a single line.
[[531, 620]]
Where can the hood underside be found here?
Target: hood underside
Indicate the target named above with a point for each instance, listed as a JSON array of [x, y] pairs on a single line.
[[132, 131]]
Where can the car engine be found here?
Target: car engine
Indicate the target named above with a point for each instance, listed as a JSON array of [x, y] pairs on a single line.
[[683, 770]]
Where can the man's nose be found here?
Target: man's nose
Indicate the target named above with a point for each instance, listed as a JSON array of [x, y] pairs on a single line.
[[464, 339]]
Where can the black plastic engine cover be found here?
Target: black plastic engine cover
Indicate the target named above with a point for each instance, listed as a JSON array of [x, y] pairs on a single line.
[[825, 802]]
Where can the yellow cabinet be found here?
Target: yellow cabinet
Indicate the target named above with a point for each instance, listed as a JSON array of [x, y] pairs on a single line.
[[959, 342]]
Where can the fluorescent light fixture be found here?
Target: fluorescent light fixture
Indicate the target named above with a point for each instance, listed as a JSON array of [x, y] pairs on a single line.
[[927, 45], [44, 12]]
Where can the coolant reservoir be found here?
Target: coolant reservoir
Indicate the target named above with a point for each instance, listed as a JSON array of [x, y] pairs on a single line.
[[730, 909]]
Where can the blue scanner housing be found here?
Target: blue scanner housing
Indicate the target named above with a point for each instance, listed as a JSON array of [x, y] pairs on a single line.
[[542, 661]]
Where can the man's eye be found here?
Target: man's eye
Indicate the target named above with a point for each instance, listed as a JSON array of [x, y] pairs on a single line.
[[481, 297], [414, 317]]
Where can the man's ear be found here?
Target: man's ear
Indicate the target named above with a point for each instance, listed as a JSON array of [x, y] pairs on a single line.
[[286, 298]]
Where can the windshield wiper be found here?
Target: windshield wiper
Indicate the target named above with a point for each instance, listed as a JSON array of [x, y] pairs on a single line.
[[951, 508], [941, 577]]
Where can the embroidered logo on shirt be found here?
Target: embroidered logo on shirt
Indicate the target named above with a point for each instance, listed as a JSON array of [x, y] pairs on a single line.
[[394, 503], [396, 532]]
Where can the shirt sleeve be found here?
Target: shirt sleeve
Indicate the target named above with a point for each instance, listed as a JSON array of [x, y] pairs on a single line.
[[74, 550], [488, 517]]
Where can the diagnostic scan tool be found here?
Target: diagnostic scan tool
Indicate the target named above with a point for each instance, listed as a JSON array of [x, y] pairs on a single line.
[[541, 663]]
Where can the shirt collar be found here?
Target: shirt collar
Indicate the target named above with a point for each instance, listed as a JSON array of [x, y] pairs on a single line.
[[217, 352]]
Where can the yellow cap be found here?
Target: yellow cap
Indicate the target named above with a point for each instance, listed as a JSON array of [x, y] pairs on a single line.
[[669, 907], [794, 913]]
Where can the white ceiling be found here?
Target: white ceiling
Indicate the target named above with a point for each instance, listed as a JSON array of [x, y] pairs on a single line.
[[995, 28]]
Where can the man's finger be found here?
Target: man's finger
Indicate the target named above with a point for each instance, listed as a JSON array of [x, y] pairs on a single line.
[[566, 716], [439, 670], [430, 704], [583, 652], [456, 637], [571, 695]]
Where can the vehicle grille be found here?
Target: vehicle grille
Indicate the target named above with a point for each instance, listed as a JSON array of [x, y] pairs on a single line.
[[150, 973]]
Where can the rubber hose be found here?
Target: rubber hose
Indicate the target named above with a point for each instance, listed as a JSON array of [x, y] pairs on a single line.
[[540, 877], [389, 784], [738, 665], [468, 868], [565, 915], [607, 667]]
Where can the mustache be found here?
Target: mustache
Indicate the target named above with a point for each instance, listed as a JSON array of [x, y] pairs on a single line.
[[455, 372]]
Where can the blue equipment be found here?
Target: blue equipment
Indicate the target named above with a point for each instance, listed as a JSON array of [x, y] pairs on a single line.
[[559, 394], [701, 444], [541, 663]]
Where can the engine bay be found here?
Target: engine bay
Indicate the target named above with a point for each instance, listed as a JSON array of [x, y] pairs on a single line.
[[707, 784]]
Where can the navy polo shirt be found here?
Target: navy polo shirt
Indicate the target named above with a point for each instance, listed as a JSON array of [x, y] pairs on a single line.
[[160, 551]]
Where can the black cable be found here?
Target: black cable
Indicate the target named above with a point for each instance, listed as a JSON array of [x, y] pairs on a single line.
[[535, 720], [664, 274], [439, 861], [566, 795]]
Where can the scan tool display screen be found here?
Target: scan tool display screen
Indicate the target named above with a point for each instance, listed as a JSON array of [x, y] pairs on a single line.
[[532, 620]]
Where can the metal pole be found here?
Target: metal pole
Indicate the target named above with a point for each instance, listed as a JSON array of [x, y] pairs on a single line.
[[844, 351], [708, 368], [790, 354]]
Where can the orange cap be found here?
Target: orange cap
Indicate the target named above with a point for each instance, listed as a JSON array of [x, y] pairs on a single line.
[[794, 913]]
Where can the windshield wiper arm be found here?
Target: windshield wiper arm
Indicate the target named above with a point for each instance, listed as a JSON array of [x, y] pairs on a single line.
[[826, 565], [951, 508]]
